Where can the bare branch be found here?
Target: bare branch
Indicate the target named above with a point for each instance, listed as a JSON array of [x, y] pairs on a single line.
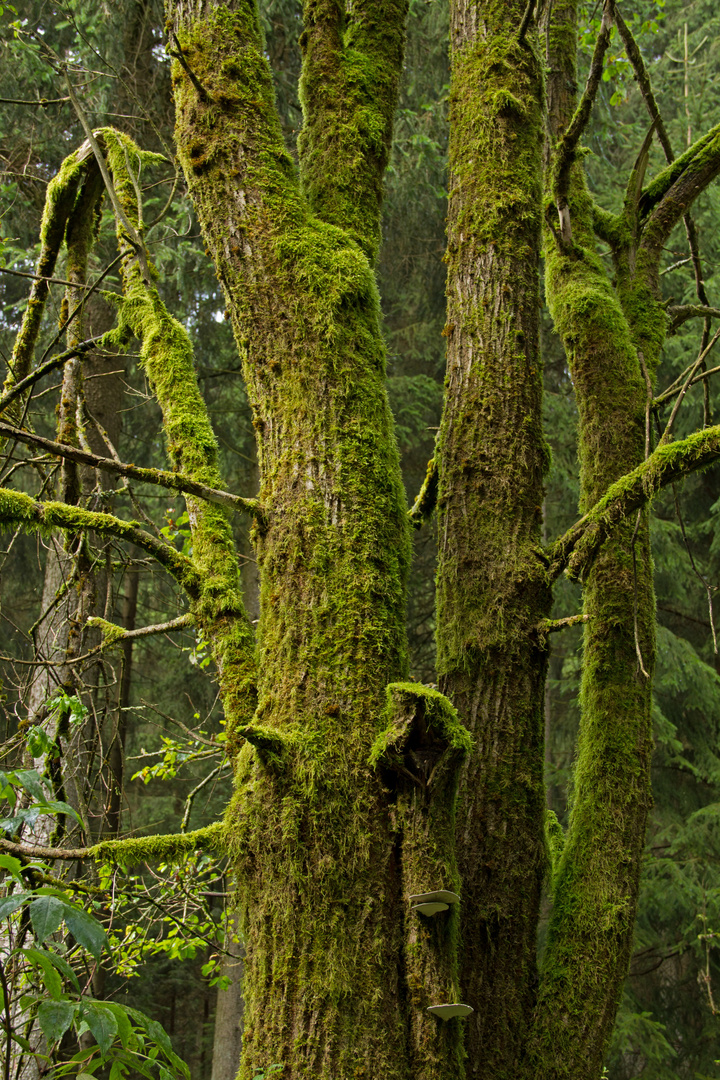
[[159, 477], [44, 369]]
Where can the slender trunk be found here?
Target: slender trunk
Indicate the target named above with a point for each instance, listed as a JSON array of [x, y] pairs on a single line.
[[492, 457]]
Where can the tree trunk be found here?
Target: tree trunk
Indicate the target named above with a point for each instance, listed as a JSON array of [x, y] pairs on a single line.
[[492, 593]]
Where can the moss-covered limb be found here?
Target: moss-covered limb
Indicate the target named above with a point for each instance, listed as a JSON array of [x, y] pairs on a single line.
[[669, 197], [79, 237], [16, 508], [419, 751], [643, 79], [112, 634], [426, 501], [348, 90], [166, 354], [320, 883], [491, 458], [170, 848], [667, 464], [566, 150], [59, 201], [171, 481]]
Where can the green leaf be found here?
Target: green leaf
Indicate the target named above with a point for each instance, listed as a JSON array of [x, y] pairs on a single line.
[[87, 931], [46, 914], [11, 864], [30, 780], [58, 962], [102, 1024], [124, 1027], [41, 958], [55, 1018], [8, 904]]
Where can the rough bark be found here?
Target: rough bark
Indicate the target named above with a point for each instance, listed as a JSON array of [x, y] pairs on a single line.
[[317, 855], [492, 592]]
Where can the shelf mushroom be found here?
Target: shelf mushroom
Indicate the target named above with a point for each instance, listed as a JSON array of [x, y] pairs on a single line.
[[431, 903], [446, 1012]]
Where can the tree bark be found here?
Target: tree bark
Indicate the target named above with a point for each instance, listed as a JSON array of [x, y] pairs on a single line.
[[492, 592]]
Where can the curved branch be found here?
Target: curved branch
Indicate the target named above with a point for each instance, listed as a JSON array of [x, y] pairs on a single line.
[[16, 508], [577, 548], [171, 481]]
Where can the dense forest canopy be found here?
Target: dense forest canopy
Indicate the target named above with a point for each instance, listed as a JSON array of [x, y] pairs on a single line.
[[358, 496]]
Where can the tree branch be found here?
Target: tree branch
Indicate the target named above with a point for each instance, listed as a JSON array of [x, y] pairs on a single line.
[[567, 145], [19, 388], [168, 848], [680, 314], [17, 508], [159, 477], [577, 548], [112, 633]]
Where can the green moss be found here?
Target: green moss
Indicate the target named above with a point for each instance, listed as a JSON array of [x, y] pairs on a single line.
[[112, 634], [167, 848]]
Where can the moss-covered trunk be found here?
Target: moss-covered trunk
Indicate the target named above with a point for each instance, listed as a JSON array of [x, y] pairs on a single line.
[[597, 879], [316, 849], [492, 593]]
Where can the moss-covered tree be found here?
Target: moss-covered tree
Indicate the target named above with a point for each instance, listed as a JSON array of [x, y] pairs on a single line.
[[355, 787]]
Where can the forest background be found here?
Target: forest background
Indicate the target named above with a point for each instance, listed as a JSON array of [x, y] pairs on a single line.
[[160, 761]]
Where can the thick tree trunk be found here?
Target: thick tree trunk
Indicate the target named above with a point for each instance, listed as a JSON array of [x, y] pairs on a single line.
[[492, 593], [317, 851]]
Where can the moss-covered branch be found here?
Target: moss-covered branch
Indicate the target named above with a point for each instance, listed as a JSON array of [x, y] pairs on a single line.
[[422, 509], [17, 508], [169, 480], [112, 634], [668, 463], [170, 848], [61, 193]]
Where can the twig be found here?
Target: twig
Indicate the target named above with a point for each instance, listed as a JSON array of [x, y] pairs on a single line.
[[202, 92], [44, 369], [636, 632], [8, 1021], [701, 577], [78, 307], [161, 478], [674, 389], [191, 797], [686, 386]]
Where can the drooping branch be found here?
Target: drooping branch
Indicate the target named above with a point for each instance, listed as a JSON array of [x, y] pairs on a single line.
[[670, 462], [159, 477], [17, 508], [168, 848]]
